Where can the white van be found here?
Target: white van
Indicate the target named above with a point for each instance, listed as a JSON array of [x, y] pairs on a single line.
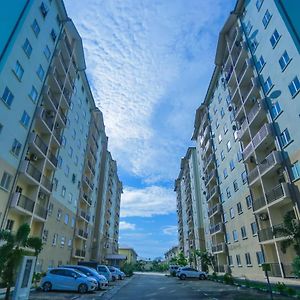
[[173, 269]]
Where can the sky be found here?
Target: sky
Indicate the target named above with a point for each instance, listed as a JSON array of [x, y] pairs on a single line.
[[149, 63]]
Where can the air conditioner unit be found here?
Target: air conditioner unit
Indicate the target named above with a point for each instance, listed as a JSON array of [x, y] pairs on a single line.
[[234, 127], [42, 196], [264, 217], [230, 107], [33, 157]]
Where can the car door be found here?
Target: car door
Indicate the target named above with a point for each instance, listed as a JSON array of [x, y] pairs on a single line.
[[70, 280], [59, 280], [194, 273]]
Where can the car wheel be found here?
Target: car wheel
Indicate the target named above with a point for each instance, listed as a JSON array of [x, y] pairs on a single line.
[[120, 277], [83, 288], [182, 276], [113, 278], [202, 277], [47, 286]]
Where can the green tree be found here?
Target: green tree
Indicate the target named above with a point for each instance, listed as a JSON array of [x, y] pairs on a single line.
[[291, 229], [207, 260], [12, 251], [181, 260]]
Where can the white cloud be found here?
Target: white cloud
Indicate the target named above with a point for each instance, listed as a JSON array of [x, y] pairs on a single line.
[[126, 226], [147, 202], [170, 230]]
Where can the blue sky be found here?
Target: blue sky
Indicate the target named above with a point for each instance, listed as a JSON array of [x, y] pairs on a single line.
[[149, 63]]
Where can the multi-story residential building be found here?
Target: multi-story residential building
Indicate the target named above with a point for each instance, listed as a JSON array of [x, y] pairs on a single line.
[[246, 136], [53, 141], [131, 255], [189, 206], [171, 253]]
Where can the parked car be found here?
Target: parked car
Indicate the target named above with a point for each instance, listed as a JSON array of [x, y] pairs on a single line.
[[102, 281], [101, 269], [173, 269], [68, 280], [116, 273], [188, 272]]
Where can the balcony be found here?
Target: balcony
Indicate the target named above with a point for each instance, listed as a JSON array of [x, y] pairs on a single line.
[[38, 143], [46, 182], [262, 135], [267, 234], [259, 203], [218, 228], [40, 211], [214, 210], [91, 167], [243, 129], [46, 119], [87, 199], [272, 160], [82, 234], [247, 151], [219, 248], [53, 159], [209, 177], [52, 98], [256, 111], [88, 182], [211, 193], [20, 201], [253, 176], [208, 161], [84, 215], [57, 136], [63, 116], [31, 171], [79, 253]]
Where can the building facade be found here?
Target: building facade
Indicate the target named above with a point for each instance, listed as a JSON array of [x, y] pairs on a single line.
[[52, 135], [171, 253], [247, 139], [131, 255]]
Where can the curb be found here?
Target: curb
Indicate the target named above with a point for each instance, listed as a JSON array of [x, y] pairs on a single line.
[[110, 293]]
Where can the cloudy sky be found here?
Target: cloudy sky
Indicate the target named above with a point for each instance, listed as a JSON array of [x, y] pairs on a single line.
[[149, 63]]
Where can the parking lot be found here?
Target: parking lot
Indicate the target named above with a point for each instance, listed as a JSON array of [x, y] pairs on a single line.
[[113, 288]]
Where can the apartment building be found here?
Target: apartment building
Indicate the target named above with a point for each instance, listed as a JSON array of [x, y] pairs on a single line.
[[189, 207], [247, 141], [171, 253], [52, 135]]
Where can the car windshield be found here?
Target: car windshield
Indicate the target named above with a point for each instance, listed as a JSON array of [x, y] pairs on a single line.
[[80, 273]]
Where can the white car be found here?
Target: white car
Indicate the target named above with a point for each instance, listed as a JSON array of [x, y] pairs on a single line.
[[189, 272]]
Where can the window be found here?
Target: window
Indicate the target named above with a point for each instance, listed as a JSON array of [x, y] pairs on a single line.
[[43, 10], [50, 209], [220, 138], [284, 60], [249, 201], [70, 152], [40, 72], [275, 110], [63, 191], [215, 109], [239, 155], [228, 99], [260, 63], [222, 198], [231, 212], [16, 147], [248, 259], [70, 198], [228, 192], [227, 238], [244, 177], [222, 112], [254, 228], [235, 235], [294, 86], [285, 137], [225, 217], [45, 235], [25, 119], [5, 181], [243, 232], [222, 155], [228, 146], [232, 117], [7, 97], [259, 4], [217, 123], [33, 94], [9, 225], [54, 240], [230, 261], [55, 183], [296, 171], [225, 128], [76, 117], [260, 257], [235, 186], [27, 48], [238, 260], [239, 208], [268, 84], [67, 171], [58, 216], [231, 164], [219, 97], [59, 161], [53, 35], [66, 219], [225, 173], [64, 141], [266, 18], [47, 52], [35, 27], [70, 243], [18, 70], [253, 44], [275, 38], [73, 222], [248, 28]]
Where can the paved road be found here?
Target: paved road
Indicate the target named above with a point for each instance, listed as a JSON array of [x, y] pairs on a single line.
[[156, 287]]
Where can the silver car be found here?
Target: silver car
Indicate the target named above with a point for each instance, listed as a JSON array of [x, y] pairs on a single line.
[[189, 272]]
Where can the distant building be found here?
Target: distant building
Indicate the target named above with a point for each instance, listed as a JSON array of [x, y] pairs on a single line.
[[171, 253], [130, 254]]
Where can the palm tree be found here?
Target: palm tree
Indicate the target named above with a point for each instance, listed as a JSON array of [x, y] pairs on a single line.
[[12, 251], [291, 229]]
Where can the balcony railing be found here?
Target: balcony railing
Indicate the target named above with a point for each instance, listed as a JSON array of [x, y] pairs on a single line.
[[248, 150], [261, 135], [58, 136], [79, 253], [253, 175], [48, 120], [273, 159], [41, 211], [259, 203], [47, 183], [87, 199], [23, 202], [40, 144], [32, 171], [254, 111], [82, 233], [63, 116], [216, 228], [211, 193], [209, 177], [218, 248], [279, 191], [214, 209], [84, 215], [269, 233], [52, 157]]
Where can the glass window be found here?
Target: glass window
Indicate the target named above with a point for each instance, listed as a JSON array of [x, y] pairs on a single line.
[[43, 10], [66, 219], [222, 155], [7, 97], [228, 146], [235, 235], [259, 4], [25, 119], [285, 137], [27, 48], [62, 241], [296, 170], [53, 35], [275, 110], [70, 199], [64, 141], [225, 217], [1, 127], [40, 72], [54, 240], [239, 207], [235, 186], [217, 123], [222, 198], [76, 160], [268, 84], [220, 138], [294, 86], [33, 94], [266, 18], [9, 224], [260, 257], [230, 261], [248, 258], [260, 63], [249, 201], [228, 192], [248, 27], [225, 128], [238, 260], [70, 152], [70, 243], [227, 238], [239, 155], [284, 60], [243, 232], [58, 216], [63, 191], [231, 212], [18, 70], [225, 173], [253, 44], [5, 180], [67, 171], [222, 112], [35, 27], [231, 164], [254, 228], [275, 38], [16, 147], [47, 52], [73, 222], [244, 177]]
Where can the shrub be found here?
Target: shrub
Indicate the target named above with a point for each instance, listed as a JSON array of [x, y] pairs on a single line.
[[280, 287], [290, 291], [296, 266], [228, 279]]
